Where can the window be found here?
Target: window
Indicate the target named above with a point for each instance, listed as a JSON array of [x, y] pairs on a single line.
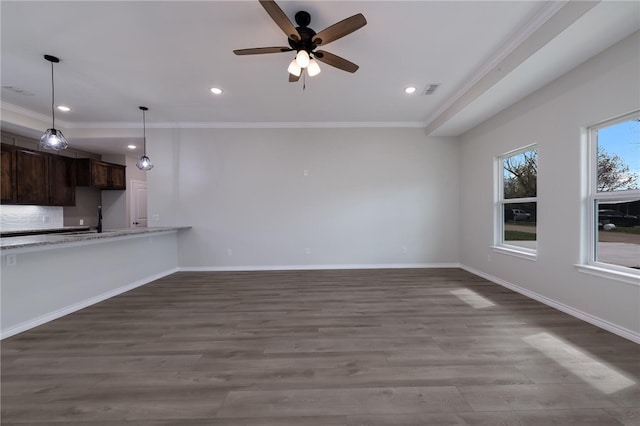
[[614, 194], [517, 201]]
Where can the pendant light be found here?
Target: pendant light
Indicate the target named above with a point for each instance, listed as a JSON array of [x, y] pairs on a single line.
[[144, 163], [53, 138]]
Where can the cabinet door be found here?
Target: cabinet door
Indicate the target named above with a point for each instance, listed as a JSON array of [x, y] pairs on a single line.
[[118, 180], [8, 176], [32, 178], [99, 174], [62, 181]]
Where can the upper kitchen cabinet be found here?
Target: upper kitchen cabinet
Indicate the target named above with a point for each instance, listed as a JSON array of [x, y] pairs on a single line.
[[8, 175], [62, 181], [100, 174], [32, 172], [37, 178]]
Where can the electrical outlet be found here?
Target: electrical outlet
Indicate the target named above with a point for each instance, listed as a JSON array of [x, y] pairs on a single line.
[[155, 217], [12, 260], [404, 249], [81, 222], [229, 252], [307, 251], [305, 172]]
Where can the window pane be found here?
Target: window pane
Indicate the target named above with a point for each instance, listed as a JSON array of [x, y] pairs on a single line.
[[619, 233], [520, 174], [520, 224], [618, 162]]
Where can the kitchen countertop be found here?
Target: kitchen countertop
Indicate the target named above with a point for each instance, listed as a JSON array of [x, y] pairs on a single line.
[[43, 240], [43, 231]]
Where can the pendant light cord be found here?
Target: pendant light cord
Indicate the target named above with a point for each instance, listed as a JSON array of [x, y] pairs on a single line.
[[53, 97], [144, 134]]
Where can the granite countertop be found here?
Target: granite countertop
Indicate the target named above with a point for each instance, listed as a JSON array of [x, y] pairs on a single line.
[[30, 241], [25, 232]]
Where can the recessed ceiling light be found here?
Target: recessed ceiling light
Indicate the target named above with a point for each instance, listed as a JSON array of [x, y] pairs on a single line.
[[216, 90], [131, 146], [409, 90], [64, 108]]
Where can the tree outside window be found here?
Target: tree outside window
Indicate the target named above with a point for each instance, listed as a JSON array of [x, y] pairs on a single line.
[[518, 199]]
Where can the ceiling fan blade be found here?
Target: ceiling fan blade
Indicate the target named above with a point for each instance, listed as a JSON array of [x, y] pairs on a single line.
[[335, 61], [293, 78], [261, 50], [339, 30], [280, 18]]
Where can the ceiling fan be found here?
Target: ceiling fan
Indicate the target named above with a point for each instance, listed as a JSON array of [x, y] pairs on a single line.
[[305, 41]]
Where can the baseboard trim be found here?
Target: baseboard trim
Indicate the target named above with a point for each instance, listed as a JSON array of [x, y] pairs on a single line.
[[11, 331], [584, 316], [316, 267]]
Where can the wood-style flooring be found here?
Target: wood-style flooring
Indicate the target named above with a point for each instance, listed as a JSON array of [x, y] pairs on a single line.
[[353, 347]]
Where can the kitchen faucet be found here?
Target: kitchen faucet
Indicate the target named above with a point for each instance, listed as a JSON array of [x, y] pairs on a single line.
[[99, 225]]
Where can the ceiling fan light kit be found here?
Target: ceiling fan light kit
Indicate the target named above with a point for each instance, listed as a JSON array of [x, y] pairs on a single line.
[[53, 138], [313, 68], [305, 41], [302, 59], [294, 68]]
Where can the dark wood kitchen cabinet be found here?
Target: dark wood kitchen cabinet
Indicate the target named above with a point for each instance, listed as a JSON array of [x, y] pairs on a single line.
[[100, 174], [32, 177], [7, 175], [37, 178], [62, 181]]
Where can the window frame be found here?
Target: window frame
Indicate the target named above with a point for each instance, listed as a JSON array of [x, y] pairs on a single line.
[[499, 244], [590, 263]]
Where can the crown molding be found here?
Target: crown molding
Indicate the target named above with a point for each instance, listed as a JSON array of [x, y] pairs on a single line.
[[30, 114], [252, 125], [217, 125], [550, 9], [550, 21]]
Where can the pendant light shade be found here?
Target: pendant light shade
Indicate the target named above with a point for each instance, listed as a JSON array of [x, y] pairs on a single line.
[[53, 138], [144, 163]]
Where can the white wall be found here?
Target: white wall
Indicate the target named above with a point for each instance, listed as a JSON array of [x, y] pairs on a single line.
[[369, 194], [605, 86]]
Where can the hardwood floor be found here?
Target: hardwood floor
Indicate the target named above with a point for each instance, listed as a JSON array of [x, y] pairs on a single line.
[[354, 347]]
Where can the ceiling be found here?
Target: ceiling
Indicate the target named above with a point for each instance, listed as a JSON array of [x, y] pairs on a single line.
[[117, 55]]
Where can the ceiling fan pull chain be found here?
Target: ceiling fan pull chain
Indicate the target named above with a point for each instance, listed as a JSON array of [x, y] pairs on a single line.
[[304, 79]]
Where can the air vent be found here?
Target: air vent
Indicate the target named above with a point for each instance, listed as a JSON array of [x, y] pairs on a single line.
[[18, 90], [431, 88]]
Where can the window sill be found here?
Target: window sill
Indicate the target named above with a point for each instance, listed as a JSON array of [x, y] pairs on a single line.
[[516, 252], [602, 272]]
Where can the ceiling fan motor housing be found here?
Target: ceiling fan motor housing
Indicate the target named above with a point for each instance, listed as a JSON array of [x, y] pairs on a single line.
[[306, 34]]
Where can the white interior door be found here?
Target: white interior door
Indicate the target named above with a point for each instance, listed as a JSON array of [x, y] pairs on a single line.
[[138, 203]]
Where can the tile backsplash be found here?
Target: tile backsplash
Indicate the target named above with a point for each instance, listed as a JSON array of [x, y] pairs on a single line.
[[20, 218]]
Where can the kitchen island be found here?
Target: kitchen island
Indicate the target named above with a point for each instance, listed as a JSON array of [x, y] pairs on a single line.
[[44, 277]]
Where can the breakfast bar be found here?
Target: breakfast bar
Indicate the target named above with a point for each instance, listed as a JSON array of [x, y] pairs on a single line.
[[48, 276]]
